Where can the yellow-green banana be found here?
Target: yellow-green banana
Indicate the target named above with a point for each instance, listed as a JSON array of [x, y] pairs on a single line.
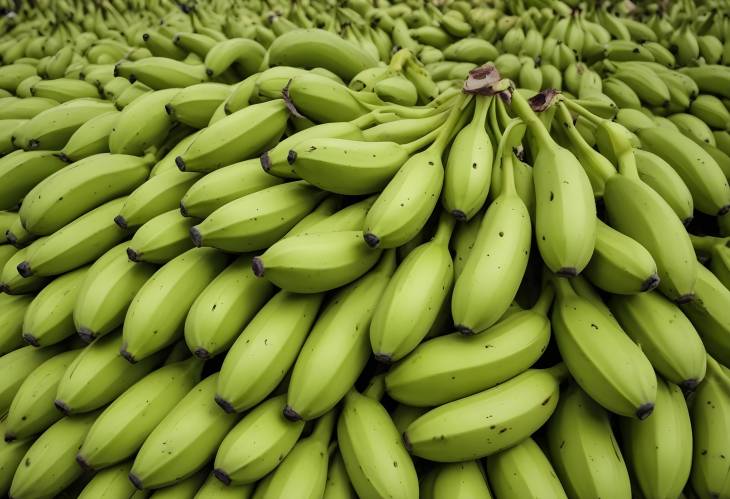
[[194, 105], [112, 483], [142, 124], [213, 488], [11, 455], [91, 138], [161, 239], [246, 56], [660, 176], [20, 171], [17, 365], [12, 312], [161, 73]]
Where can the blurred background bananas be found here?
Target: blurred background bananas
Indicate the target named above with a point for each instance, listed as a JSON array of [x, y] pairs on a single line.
[[329, 249]]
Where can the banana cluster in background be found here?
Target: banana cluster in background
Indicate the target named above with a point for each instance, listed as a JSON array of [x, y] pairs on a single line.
[[330, 249]]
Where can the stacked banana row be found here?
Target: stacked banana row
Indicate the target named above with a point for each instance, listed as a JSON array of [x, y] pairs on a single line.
[[263, 249]]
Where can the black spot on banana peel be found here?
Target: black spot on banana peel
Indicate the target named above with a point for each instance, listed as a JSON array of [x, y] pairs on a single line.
[[459, 215], [10, 437], [684, 299], [183, 210], [688, 386], [724, 210], [265, 162], [407, 443], [567, 272], [466, 331], [291, 157], [201, 353], [383, 358], [81, 461]]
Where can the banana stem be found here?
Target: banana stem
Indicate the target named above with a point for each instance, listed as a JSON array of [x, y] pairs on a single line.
[[582, 111], [422, 142], [627, 165], [559, 371], [483, 103], [444, 98], [508, 174], [577, 140], [537, 128], [545, 300], [376, 388], [447, 128], [445, 228], [323, 429], [706, 243], [562, 287]]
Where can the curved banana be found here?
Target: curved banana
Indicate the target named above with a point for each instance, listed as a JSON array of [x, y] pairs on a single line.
[[161, 73], [626, 387], [453, 366], [660, 176], [75, 244], [195, 105], [338, 484], [246, 56], [20, 171], [462, 480], [12, 312], [523, 471], [112, 483], [32, 411], [235, 137], [72, 191], [711, 111], [64, 89], [121, 428], [173, 288], [213, 488], [17, 365], [257, 220], [659, 450], [458, 431], [49, 462], [142, 124], [91, 138], [584, 450], [184, 441], [257, 444], [11, 282], [265, 350], [330, 361], [49, 318], [161, 239]]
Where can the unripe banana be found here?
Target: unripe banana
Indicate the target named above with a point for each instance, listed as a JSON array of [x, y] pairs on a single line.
[[184, 441], [710, 416], [91, 138], [265, 350], [626, 50], [173, 288], [11, 455], [12, 74], [12, 312], [462, 480], [257, 444], [711, 111], [64, 89], [73, 191], [130, 94], [621, 93], [453, 366], [474, 50], [49, 462], [659, 450], [196, 43], [98, 375], [235, 137], [162, 46], [17, 365], [245, 55], [20, 171], [213, 488], [142, 124], [161, 239], [195, 105], [161, 73], [524, 471], [627, 387], [185, 488], [584, 450], [121, 429], [316, 262], [693, 127], [458, 431], [330, 361], [112, 483], [49, 318], [12, 282]]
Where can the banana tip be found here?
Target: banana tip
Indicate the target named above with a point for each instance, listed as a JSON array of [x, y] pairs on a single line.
[[132, 255], [209, 71], [168, 109], [180, 163], [371, 239], [291, 157], [30, 339], [81, 461], [407, 443], [86, 334], [136, 481], [120, 221], [651, 283], [567, 272], [687, 221], [224, 404], [265, 161], [4, 288], [9, 437], [128, 356], [145, 36], [459, 215], [291, 414], [62, 406], [645, 410], [24, 269], [196, 236], [257, 265], [183, 210], [64, 158], [689, 385], [465, 330], [724, 210], [222, 476], [201, 353], [12, 238], [684, 299], [383, 358]]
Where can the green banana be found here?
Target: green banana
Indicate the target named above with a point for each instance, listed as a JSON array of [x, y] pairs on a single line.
[[325, 101], [64, 89], [660, 176], [338, 484], [235, 137], [173, 288], [11, 455], [457, 431], [161, 73], [330, 361], [224, 185], [161, 239], [371, 448], [453, 366], [316, 262], [524, 471], [142, 124], [122, 427], [49, 462], [17, 365], [711, 111], [78, 188], [194, 105], [76, 244], [257, 444], [184, 441], [157, 195], [584, 450], [693, 127], [462, 480], [257, 220], [12, 312], [49, 318], [223, 309], [659, 450], [12, 282], [112, 483], [621, 93], [26, 108], [32, 411], [20, 171], [98, 375], [245, 55], [627, 387], [213, 488], [303, 472], [91, 138], [268, 346]]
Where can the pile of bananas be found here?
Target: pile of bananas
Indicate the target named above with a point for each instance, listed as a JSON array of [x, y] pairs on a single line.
[[365, 248]]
